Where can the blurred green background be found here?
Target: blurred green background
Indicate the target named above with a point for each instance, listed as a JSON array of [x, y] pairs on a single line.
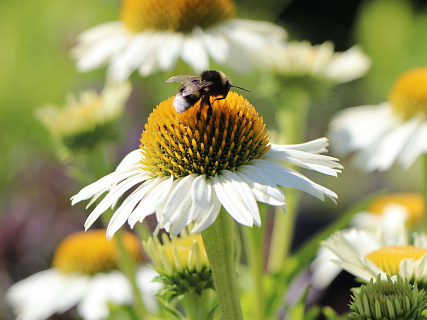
[[36, 68]]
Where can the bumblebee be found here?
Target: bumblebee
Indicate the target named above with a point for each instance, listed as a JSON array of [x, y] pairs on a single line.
[[200, 86]]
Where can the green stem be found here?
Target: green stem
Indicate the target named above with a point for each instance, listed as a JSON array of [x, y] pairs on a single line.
[[292, 121], [424, 157], [196, 307], [253, 247], [128, 266], [283, 231], [219, 244]]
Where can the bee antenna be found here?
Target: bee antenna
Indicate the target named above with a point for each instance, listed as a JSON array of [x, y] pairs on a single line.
[[241, 88]]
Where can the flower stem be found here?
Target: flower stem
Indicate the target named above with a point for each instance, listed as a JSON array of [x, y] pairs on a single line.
[[219, 244], [128, 266], [283, 231], [424, 157], [196, 307], [253, 248]]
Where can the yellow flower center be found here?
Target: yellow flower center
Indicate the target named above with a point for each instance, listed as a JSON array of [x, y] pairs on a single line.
[[409, 93], [388, 258], [203, 140], [413, 202], [90, 252], [177, 15]]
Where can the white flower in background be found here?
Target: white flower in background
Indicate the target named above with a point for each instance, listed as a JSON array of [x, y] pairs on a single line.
[[366, 254], [85, 120], [152, 35], [389, 132], [319, 61], [85, 275], [391, 213], [190, 164]]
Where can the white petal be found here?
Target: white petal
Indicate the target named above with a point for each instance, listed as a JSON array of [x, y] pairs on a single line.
[[131, 57], [359, 127], [154, 198], [287, 177], [177, 208], [126, 208], [169, 50], [214, 43], [115, 193], [320, 163], [261, 185], [237, 198], [205, 206], [315, 146], [416, 146], [46, 293], [194, 54], [104, 288], [382, 154]]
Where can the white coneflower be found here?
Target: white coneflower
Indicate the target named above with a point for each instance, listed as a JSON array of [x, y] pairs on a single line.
[[86, 120], [391, 213], [391, 131], [190, 164], [302, 59], [152, 35], [366, 255], [84, 273]]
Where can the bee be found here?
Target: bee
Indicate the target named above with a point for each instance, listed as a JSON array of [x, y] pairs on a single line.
[[201, 86]]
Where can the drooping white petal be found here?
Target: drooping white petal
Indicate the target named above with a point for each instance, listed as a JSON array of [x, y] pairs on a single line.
[[177, 208], [415, 146], [45, 293], [194, 54], [320, 163], [383, 153], [115, 193], [263, 188], [126, 208], [153, 199], [211, 205], [314, 146], [131, 57], [104, 288], [170, 50], [236, 197], [215, 44], [287, 177], [359, 127]]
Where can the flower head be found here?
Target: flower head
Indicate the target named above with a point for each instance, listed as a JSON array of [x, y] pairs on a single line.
[[393, 300], [87, 120], [389, 132], [182, 264], [151, 36], [302, 59], [190, 164], [366, 255], [392, 212], [389, 214], [85, 274]]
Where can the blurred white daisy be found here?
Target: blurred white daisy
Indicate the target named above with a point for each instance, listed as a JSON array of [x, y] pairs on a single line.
[[190, 164], [85, 275], [391, 213], [391, 131], [366, 254], [86, 120], [319, 61], [152, 35]]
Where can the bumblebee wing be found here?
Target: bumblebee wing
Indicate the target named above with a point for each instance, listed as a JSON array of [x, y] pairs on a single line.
[[191, 88], [184, 78]]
